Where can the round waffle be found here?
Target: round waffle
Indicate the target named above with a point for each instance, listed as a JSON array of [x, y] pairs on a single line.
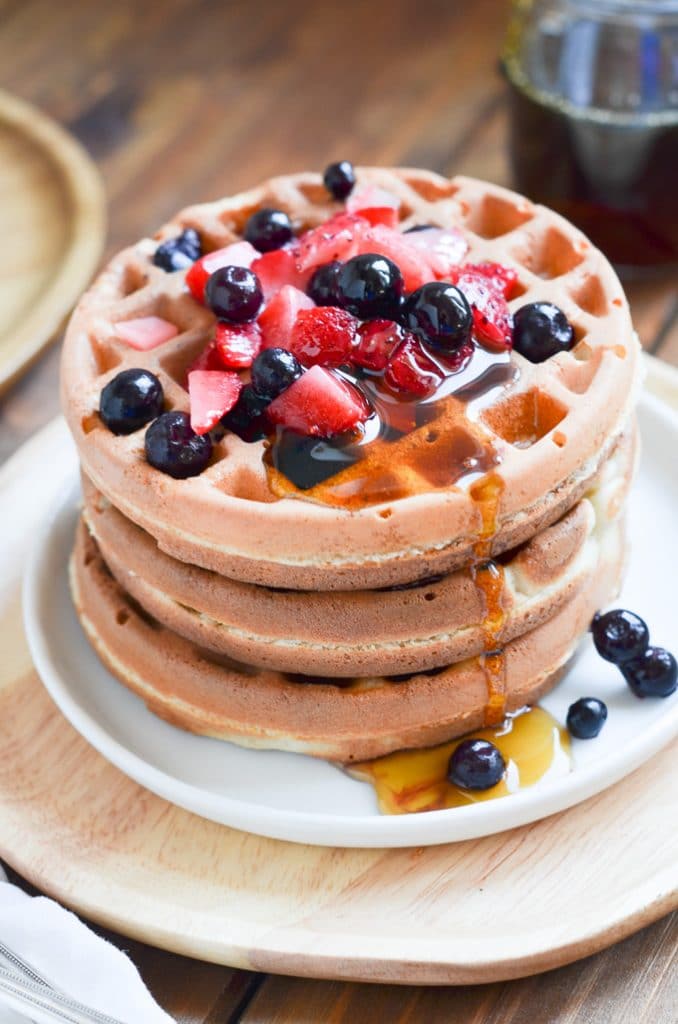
[[370, 632], [551, 428], [363, 718]]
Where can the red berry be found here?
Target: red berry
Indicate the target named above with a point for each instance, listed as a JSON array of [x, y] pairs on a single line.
[[411, 370], [323, 335], [319, 404], [375, 343], [238, 345], [412, 262], [209, 359], [375, 204], [279, 267], [336, 239], [504, 279], [145, 332], [443, 249], [277, 320], [213, 393], [238, 254], [492, 320]]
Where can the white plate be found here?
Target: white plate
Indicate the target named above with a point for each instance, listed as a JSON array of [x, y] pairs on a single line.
[[289, 796]]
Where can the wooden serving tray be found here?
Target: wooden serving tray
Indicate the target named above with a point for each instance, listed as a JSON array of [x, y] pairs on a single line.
[[52, 225], [485, 910]]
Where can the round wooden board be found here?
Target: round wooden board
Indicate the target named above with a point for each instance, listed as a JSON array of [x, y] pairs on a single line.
[[52, 225], [490, 909]]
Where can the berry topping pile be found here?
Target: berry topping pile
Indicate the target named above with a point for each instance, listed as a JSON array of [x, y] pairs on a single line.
[[315, 327]]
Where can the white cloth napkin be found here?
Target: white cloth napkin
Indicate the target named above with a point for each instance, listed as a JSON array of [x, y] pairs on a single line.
[[73, 959]]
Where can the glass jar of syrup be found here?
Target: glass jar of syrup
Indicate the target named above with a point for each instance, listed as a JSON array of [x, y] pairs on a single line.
[[594, 120]]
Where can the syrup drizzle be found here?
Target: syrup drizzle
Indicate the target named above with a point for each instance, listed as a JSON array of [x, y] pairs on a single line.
[[533, 745]]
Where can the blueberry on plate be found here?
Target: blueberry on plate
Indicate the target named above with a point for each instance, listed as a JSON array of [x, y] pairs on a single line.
[[476, 764], [440, 315], [234, 294], [653, 674], [173, 447], [268, 229], [179, 252], [273, 371], [323, 287], [586, 717], [541, 330], [371, 286], [339, 179], [131, 400], [619, 635]]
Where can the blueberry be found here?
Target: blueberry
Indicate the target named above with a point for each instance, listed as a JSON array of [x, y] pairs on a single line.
[[324, 284], [339, 179], [273, 371], [174, 448], [371, 286], [234, 294], [476, 764], [440, 315], [653, 674], [541, 330], [586, 717], [129, 401], [247, 418], [179, 252], [619, 635], [268, 229]]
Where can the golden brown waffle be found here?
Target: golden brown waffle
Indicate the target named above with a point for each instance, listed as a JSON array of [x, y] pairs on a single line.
[[553, 428], [368, 717]]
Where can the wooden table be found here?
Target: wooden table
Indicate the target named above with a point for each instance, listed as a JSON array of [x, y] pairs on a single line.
[[185, 100]]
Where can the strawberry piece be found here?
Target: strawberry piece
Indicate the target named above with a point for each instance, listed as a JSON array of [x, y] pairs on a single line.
[[375, 343], [208, 359], [146, 332], [411, 370], [412, 262], [443, 248], [319, 404], [213, 393], [375, 204], [323, 336], [277, 319], [492, 319], [239, 254], [238, 345], [503, 279], [336, 239], [279, 267]]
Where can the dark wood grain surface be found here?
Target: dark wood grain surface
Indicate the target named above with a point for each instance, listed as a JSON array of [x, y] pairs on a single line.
[[184, 100]]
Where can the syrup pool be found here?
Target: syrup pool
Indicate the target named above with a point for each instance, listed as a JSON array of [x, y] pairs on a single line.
[[533, 744]]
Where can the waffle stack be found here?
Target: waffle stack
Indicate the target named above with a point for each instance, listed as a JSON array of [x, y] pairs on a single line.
[[415, 595]]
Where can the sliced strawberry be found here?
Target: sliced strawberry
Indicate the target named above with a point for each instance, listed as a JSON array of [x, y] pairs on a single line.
[[238, 254], [375, 343], [375, 204], [319, 404], [413, 264], [492, 320], [323, 336], [238, 345], [411, 370], [504, 279], [146, 332], [278, 318], [336, 239], [213, 393], [279, 267], [208, 359], [443, 248]]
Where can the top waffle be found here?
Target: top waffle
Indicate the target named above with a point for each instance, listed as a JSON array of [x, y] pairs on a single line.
[[398, 515]]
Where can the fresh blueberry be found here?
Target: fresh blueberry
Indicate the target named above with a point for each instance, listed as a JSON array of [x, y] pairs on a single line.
[[653, 674], [339, 179], [268, 229], [371, 286], [476, 764], [179, 252], [247, 418], [619, 635], [440, 315], [323, 287], [541, 330], [130, 400], [174, 448], [273, 371], [586, 717], [234, 294]]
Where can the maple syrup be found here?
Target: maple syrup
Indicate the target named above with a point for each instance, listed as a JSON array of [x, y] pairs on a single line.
[[533, 744]]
